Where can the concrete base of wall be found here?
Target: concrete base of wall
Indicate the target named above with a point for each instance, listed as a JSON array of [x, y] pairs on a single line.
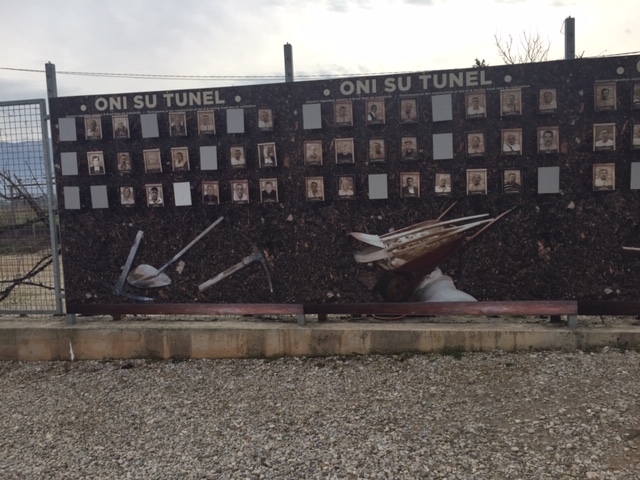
[[52, 339]]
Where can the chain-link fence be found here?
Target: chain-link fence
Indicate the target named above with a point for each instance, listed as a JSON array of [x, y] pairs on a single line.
[[29, 266]]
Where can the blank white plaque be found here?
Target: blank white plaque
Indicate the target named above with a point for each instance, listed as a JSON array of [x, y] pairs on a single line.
[[443, 146], [441, 108], [69, 163], [209, 158], [149, 123], [548, 179], [99, 196], [71, 198], [67, 128], [635, 175], [235, 120], [311, 116], [378, 189], [182, 194]]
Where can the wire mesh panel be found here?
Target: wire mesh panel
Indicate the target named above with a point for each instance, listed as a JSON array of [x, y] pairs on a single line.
[[29, 272]]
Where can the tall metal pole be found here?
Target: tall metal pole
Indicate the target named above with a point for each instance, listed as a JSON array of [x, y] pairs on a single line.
[[569, 38], [288, 63], [52, 83]]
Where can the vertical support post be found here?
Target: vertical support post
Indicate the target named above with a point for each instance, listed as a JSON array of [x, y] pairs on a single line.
[[288, 63], [52, 83], [572, 321], [301, 319], [71, 318], [569, 38]]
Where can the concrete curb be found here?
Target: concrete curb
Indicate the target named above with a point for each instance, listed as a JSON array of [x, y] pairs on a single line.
[[54, 340]]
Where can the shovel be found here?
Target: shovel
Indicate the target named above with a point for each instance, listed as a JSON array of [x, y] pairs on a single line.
[[146, 276]]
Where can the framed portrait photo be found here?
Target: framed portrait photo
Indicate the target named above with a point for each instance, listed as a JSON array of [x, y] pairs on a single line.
[[377, 151], [476, 104], [346, 187], [240, 191], [126, 196], [313, 152], [511, 102], [124, 163], [155, 195], [343, 114], [93, 128], [265, 119], [475, 144], [152, 161], [511, 141], [236, 154], [314, 187], [604, 177], [635, 137], [206, 122], [409, 148], [477, 181], [269, 190], [442, 183], [512, 181], [180, 159], [547, 100], [95, 162], [604, 137], [375, 111], [210, 193], [605, 96], [267, 155], [344, 150], [409, 184], [635, 96], [120, 126], [178, 124], [408, 110], [548, 139]]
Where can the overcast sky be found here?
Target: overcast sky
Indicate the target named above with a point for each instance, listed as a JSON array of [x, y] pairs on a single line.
[[245, 38]]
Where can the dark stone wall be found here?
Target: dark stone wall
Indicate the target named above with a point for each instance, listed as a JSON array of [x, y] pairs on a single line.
[[554, 246]]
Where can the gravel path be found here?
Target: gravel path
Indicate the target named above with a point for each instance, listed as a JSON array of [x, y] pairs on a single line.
[[537, 415]]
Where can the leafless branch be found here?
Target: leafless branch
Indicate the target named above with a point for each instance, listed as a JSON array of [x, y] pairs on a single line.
[[531, 48], [43, 263]]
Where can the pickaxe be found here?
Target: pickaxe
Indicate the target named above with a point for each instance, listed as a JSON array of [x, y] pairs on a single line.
[[256, 256]]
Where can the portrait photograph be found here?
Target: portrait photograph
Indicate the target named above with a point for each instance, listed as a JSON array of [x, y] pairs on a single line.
[[313, 152], [511, 102], [409, 148], [152, 161], [476, 103], [178, 124], [475, 144], [267, 155], [408, 110], [605, 96], [635, 96], [604, 137], [512, 181], [265, 119], [343, 114], [236, 154], [346, 187], [548, 139], [155, 196], [344, 150], [604, 177], [409, 184], [442, 183], [375, 112], [314, 188], [124, 163], [240, 191], [477, 181], [180, 159], [93, 128], [126, 196], [547, 100], [269, 190], [377, 151], [207, 122], [95, 161], [511, 141], [635, 137], [210, 193], [120, 126]]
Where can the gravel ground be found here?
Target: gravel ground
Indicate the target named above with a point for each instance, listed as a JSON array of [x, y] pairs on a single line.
[[534, 415]]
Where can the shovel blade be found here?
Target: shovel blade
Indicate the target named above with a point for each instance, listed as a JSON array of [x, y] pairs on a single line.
[[146, 276]]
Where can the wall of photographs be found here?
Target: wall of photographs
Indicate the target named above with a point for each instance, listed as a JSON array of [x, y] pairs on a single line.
[[282, 162]]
